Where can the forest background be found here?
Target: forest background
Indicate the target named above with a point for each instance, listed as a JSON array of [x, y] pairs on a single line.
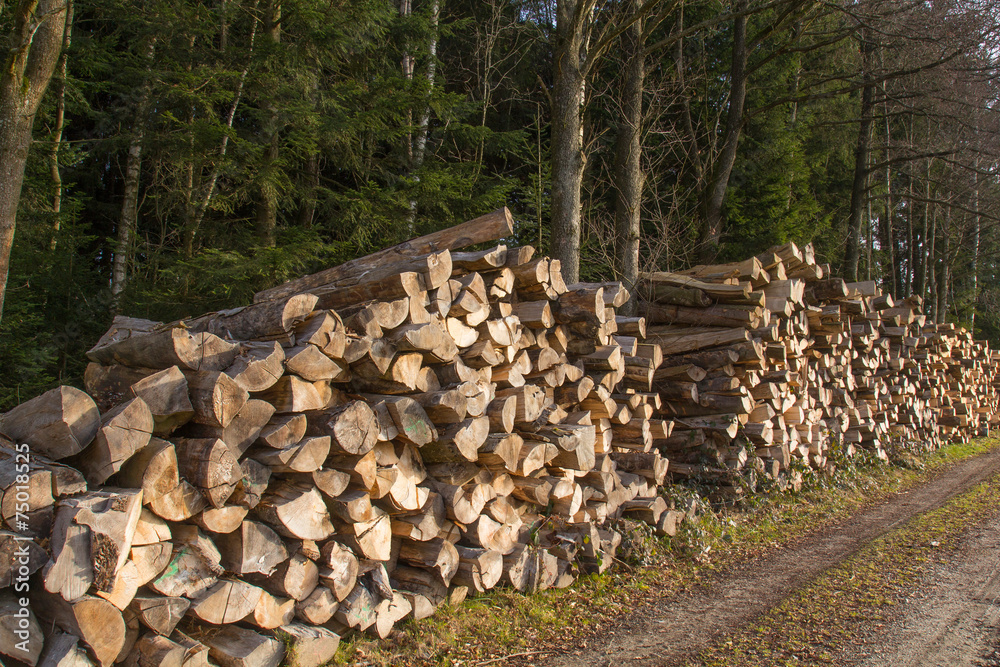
[[178, 156]]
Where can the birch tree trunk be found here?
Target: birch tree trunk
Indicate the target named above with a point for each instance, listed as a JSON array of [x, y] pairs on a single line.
[[419, 148], [37, 36]]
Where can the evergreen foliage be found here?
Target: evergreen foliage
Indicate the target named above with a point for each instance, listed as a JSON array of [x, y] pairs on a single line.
[[272, 138]]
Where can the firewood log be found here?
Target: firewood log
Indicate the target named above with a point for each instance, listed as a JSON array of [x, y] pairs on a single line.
[[295, 511], [210, 466], [308, 646], [152, 649], [57, 424], [479, 569], [305, 456], [63, 650], [160, 614], [147, 344], [97, 622], [21, 635], [309, 363], [193, 568], [216, 397], [242, 431], [150, 560], [283, 431], [458, 442], [164, 392], [124, 430], [292, 394], [258, 366], [233, 646], [353, 427]]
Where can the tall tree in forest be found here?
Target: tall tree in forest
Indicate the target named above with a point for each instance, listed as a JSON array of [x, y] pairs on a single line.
[[628, 178], [33, 45], [718, 177], [859, 190]]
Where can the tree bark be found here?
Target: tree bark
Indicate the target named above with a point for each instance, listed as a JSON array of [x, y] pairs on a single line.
[[267, 196], [891, 269], [944, 273], [39, 26], [567, 135], [628, 162], [715, 194], [852, 251], [418, 150], [57, 132], [130, 191]]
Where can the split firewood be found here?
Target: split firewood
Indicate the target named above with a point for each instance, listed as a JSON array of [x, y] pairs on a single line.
[[353, 427], [165, 392], [296, 511], [258, 366], [57, 424], [97, 623], [233, 646], [242, 431], [308, 646], [124, 430], [252, 548], [158, 613], [209, 465]]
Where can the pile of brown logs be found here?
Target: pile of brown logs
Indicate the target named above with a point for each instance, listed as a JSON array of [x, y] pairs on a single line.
[[769, 362], [364, 444], [355, 448]]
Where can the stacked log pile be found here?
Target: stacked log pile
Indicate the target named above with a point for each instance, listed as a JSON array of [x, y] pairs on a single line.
[[364, 444], [770, 365], [355, 448]]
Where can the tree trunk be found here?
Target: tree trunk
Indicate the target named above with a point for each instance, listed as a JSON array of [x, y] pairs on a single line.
[[307, 207], [267, 195], [943, 274], [130, 194], [57, 132], [891, 269], [924, 238], [418, 150], [932, 268], [567, 136], [628, 166], [852, 251], [715, 194], [39, 27]]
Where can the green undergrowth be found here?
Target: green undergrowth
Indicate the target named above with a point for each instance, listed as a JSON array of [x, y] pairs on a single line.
[[857, 598], [488, 629]]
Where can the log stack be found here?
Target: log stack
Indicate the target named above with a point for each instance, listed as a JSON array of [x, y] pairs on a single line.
[[355, 448], [772, 367], [364, 444]]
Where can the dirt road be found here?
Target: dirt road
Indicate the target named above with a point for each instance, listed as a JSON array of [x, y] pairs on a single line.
[[953, 623]]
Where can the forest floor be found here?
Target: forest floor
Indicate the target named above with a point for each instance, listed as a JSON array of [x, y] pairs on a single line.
[[880, 566], [913, 580]]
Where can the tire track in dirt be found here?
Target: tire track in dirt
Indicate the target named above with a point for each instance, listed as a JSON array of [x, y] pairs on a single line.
[[953, 616], [671, 630]]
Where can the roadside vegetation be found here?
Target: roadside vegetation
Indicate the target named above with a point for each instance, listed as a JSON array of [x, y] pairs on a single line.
[[505, 627]]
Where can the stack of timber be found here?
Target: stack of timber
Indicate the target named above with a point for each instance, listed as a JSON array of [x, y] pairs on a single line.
[[357, 447], [771, 367]]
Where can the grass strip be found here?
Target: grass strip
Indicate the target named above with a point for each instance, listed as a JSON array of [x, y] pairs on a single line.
[[846, 602]]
